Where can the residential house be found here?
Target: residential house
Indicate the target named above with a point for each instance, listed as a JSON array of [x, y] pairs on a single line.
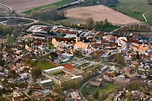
[[97, 54], [122, 41], [69, 33], [83, 46], [95, 83], [73, 95], [55, 43]]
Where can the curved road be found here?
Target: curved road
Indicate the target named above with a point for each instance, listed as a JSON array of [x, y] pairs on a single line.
[[34, 21], [80, 90], [7, 7], [145, 16]]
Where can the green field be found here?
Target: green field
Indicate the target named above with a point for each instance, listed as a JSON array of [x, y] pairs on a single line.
[[54, 5], [149, 17], [108, 88], [44, 64], [134, 8]]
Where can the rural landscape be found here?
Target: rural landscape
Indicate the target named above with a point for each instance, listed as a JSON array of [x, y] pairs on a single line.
[[75, 50]]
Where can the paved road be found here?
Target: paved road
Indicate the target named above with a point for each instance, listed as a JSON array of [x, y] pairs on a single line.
[[80, 90], [34, 21], [7, 7], [145, 16]]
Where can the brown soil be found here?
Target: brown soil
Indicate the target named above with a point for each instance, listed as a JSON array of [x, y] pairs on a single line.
[[100, 12], [24, 5]]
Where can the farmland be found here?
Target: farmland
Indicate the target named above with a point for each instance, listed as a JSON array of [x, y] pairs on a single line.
[[4, 9], [98, 13], [2, 40], [134, 8], [24, 5]]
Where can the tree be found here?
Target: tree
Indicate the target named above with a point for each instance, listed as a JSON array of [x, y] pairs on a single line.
[[89, 23], [51, 45], [110, 98], [150, 2], [89, 73], [2, 62], [60, 98], [128, 96], [96, 94], [36, 72], [6, 29], [134, 85], [75, 84], [119, 59], [2, 46], [102, 96], [105, 23], [48, 14]]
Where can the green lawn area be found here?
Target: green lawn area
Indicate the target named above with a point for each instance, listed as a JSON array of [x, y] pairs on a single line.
[[85, 65], [57, 72], [10, 40], [108, 88], [54, 5], [44, 64], [149, 17], [92, 59], [134, 8]]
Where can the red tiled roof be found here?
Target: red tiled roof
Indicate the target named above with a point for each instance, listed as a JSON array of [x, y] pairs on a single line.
[[104, 41], [143, 48], [68, 66], [81, 45], [65, 31], [37, 43]]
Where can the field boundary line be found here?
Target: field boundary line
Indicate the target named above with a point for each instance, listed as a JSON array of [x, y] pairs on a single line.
[[144, 15], [11, 10]]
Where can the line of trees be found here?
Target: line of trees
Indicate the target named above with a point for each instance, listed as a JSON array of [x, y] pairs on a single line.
[[6, 29], [133, 28], [96, 25], [150, 2], [104, 2], [48, 15]]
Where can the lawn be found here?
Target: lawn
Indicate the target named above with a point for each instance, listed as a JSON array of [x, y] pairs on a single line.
[[10, 40], [92, 59], [108, 88], [134, 8], [54, 5], [149, 18], [57, 72], [44, 64]]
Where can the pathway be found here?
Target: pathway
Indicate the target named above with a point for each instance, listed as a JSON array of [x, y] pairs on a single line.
[[144, 15]]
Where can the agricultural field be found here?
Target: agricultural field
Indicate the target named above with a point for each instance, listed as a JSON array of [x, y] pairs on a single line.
[[2, 40], [24, 5], [134, 8], [98, 13], [4, 10], [149, 18]]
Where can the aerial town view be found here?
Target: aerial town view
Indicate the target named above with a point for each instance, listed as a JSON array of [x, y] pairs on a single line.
[[75, 50]]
